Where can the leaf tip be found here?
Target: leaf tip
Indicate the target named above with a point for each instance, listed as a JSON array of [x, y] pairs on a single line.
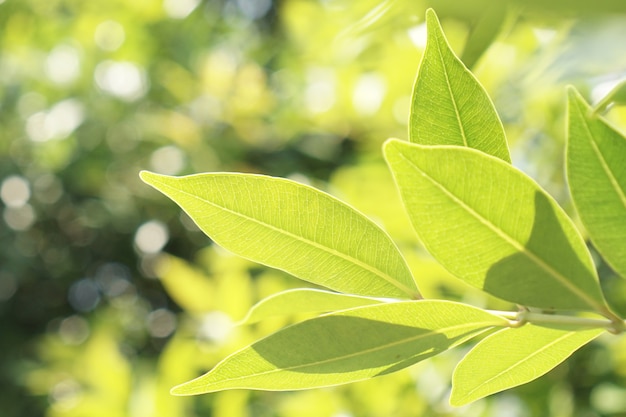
[[572, 93], [432, 22], [390, 145], [147, 176], [177, 391], [458, 400], [181, 390]]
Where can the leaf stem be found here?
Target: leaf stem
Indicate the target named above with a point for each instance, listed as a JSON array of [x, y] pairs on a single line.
[[519, 318]]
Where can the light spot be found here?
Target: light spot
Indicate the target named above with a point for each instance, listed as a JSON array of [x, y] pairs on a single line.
[[123, 80], [543, 35], [401, 110], [15, 191], [161, 323], [418, 35], [168, 160], [216, 327], [109, 35], [179, 9], [65, 395], [113, 280], [48, 189], [57, 123], [151, 237], [19, 218], [63, 64], [319, 95], [74, 330], [84, 295], [368, 95], [608, 398]]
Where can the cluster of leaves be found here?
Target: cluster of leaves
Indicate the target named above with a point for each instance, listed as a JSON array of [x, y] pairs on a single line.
[[484, 220]]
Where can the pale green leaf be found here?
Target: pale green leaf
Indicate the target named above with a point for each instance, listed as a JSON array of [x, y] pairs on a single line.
[[494, 227], [292, 227], [449, 106], [513, 357], [596, 172], [346, 346], [304, 300]]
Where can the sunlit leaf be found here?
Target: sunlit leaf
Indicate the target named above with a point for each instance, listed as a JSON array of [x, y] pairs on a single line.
[[513, 357], [449, 106], [292, 227], [492, 226], [596, 172], [303, 300], [346, 346]]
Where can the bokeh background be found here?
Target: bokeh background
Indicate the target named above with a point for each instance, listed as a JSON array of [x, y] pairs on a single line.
[[109, 295]]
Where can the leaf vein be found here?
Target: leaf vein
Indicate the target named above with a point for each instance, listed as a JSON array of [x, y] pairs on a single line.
[[605, 167], [486, 325], [517, 245], [313, 243], [452, 99]]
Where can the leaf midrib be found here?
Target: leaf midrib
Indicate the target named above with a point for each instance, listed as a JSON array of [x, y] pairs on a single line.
[[452, 99], [605, 167], [478, 325], [317, 245], [521, 361], [517, 245]]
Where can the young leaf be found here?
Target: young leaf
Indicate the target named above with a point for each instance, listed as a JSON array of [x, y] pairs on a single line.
[[346, 346], [304, 300], [449, 106], [596, 172], [494, 227], [513, 357], [292, 227]]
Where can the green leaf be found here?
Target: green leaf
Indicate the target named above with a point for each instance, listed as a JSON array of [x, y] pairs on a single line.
[[304, 300], [346, 346], [494, 227], [449, 106], [292, 227], [513, 357], [596, 172]]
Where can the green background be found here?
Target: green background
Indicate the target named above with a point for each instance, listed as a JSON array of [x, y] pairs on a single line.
[[109, 296]]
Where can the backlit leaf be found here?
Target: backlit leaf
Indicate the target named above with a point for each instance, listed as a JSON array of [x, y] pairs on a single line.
[[346, 346], [513, 357], [449, 106], [494, 227], [292, 227], [596, 172], [303, 300]]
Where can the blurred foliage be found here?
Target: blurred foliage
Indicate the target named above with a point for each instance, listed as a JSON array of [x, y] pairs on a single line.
[[109, 296]]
